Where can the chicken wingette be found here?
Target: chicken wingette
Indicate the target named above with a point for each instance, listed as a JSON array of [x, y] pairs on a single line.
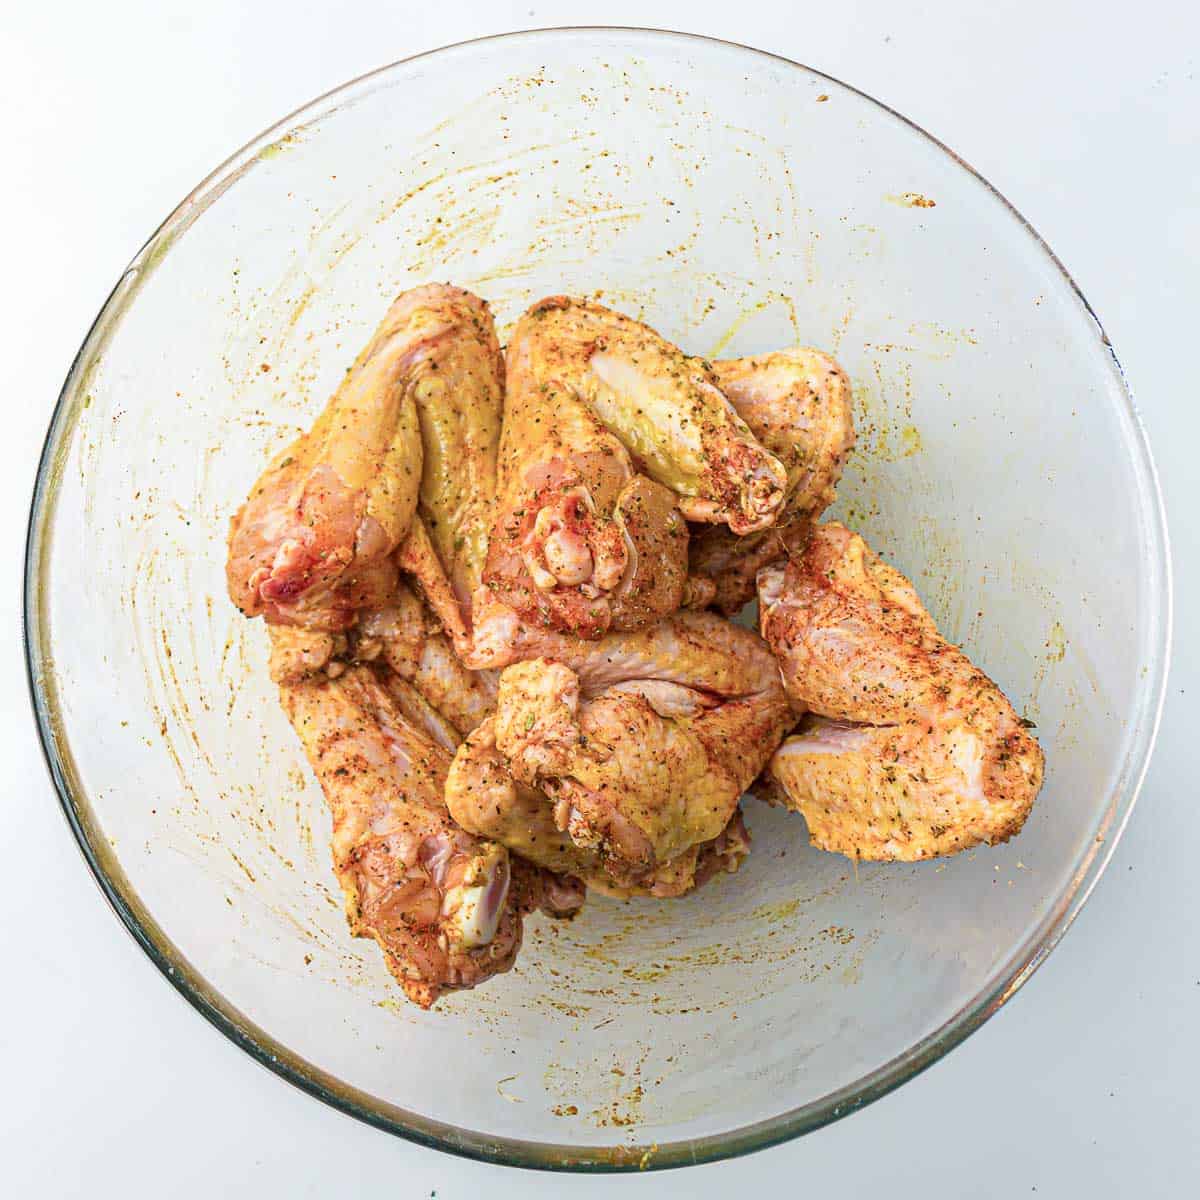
[[798, 404], [459, 403], [460, 408], [909, 751]]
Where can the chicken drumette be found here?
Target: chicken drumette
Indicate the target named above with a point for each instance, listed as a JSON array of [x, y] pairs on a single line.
[[484, 797], [313, 543], [612, 439], [909, 751], [643, 743]]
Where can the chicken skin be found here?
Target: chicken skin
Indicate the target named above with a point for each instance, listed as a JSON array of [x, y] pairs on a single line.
[[460, 406], [460, 409], [313, 543], [797, 403], [612, 439], [909, 751], [485, 799], [445, 907], [644, 742]]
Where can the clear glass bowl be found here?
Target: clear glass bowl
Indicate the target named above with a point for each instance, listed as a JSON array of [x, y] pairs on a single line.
[[738, 202]]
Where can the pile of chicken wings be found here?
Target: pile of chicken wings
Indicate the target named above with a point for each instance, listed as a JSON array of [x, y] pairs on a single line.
[[498, 588]]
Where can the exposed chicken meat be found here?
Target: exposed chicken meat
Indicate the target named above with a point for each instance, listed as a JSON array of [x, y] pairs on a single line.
[[910, 751], [798, 404], [297, 653]]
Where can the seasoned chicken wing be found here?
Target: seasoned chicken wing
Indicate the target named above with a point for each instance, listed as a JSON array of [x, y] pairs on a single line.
[[313, 542], [483, 576], [438, 901], [612, 437], [646, 740], [798, 404], [484, 798], [909, 751]]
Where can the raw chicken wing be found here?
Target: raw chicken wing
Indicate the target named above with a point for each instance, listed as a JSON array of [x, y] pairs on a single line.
[[612, 437], [646, 740], [445, 907], [313, 542], [484, 798], [909, 750]]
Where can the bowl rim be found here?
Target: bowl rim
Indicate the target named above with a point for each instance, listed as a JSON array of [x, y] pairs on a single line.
[[115, 887]]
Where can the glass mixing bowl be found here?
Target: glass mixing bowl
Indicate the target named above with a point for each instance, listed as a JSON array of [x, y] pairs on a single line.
[[737, 202]]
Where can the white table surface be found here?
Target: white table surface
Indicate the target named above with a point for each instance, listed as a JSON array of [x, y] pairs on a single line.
[[1087, 116]]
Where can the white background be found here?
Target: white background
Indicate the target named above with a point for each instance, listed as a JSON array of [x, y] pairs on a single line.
[[1086, 115]]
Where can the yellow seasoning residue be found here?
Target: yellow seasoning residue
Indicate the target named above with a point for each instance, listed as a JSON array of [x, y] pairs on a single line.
[[910, 200], [1056, 643], [276, 148], [735, 328], [750, 311], [910, 441]]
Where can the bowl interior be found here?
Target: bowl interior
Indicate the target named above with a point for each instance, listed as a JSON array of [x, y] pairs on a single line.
[[738, 203]]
